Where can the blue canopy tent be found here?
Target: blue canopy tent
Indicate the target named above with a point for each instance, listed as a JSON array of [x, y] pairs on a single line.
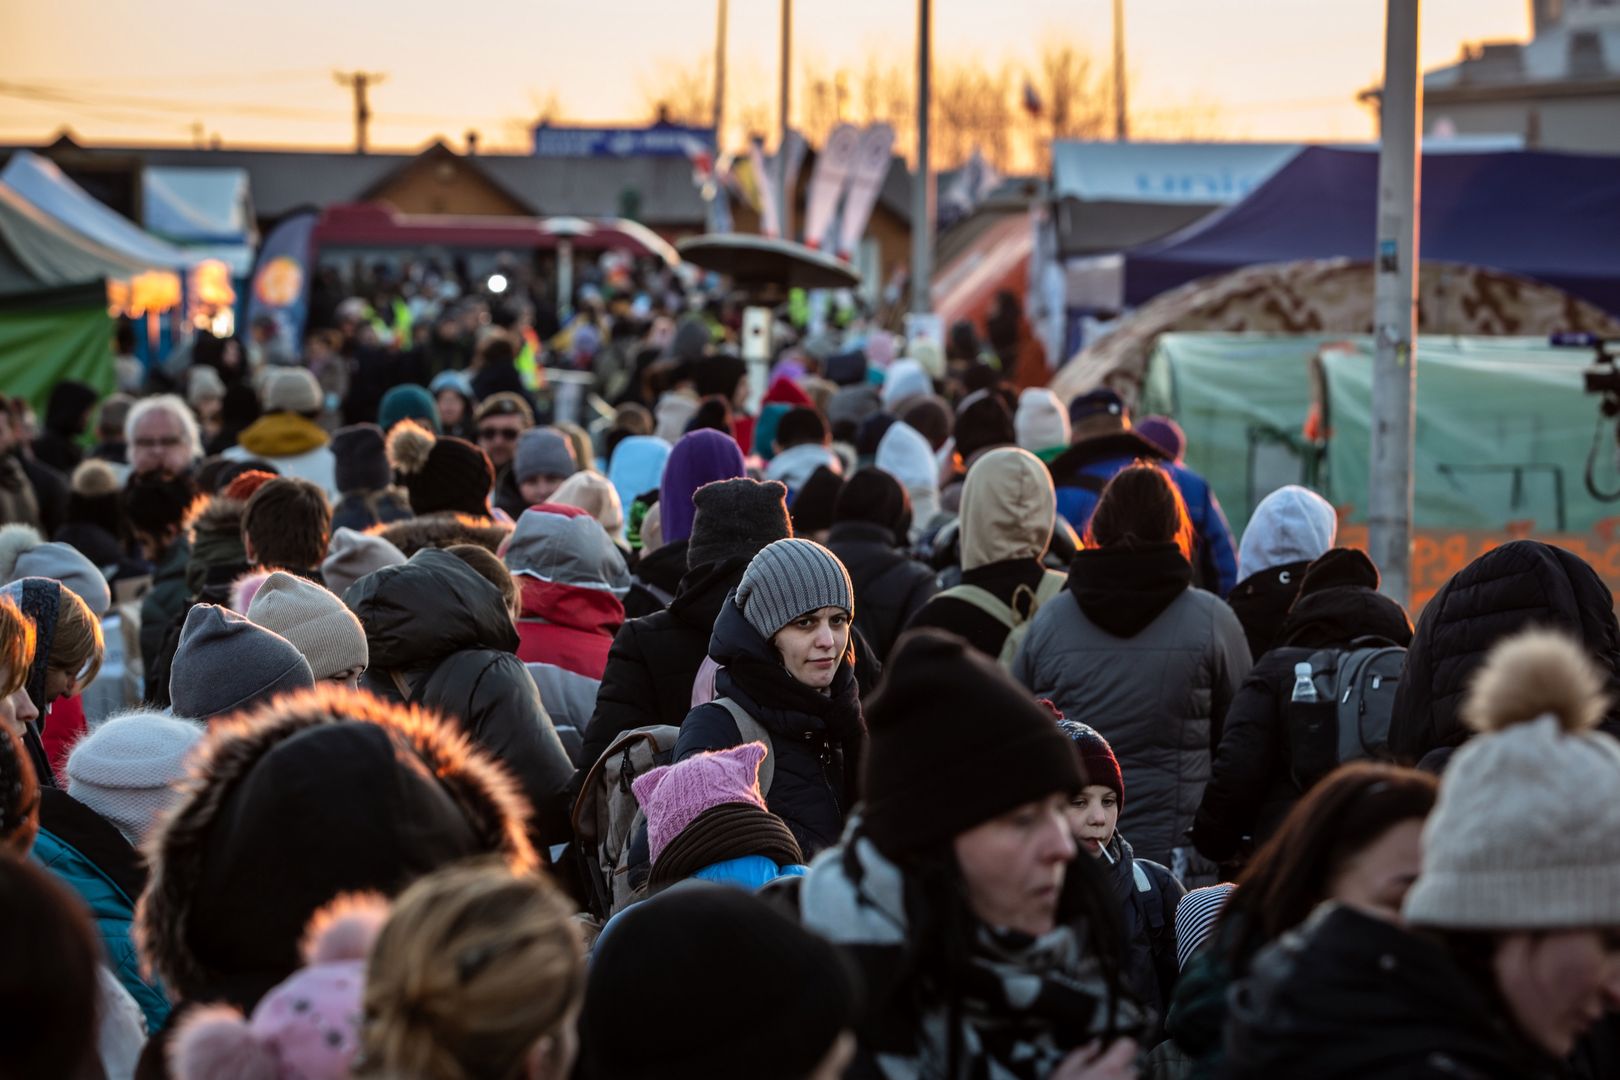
[[1553, 217]]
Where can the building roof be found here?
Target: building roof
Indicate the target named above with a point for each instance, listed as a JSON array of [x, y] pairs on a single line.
[[284, 180]]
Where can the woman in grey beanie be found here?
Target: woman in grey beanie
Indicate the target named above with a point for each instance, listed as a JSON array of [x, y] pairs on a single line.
[[786, 678], [1510, 950]]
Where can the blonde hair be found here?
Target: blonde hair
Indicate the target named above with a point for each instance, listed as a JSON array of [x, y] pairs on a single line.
[[592, 492], [77, 646], [474, 966], [17, 642]]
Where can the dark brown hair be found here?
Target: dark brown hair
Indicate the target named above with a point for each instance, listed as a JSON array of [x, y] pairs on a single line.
[[48, 982], [289, 523], [1140, 506], [487, 565], [1339, 818]]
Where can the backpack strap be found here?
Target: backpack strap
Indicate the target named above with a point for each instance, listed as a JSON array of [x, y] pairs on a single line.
[[985, 601], [752, 730]]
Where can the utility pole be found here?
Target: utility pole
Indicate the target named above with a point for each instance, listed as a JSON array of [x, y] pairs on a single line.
[[783, 210], [1395, 262], [1121, 124], [719, 117], [360, 82], [922, 188]]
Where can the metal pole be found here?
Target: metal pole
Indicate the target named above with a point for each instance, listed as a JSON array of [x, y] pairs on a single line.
[[784, 212], [1400, 178], [922, 189], [719, 76], [1121, 125]]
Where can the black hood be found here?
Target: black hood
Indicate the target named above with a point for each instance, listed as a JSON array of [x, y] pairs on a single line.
[[702, 592], [1335, 617], [752, 674], [664, 566], [420, 611], [1124, 589], [1350, 995]]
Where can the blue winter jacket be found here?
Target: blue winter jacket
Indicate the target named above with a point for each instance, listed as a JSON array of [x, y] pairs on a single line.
[[1082, 471], [90, 856]]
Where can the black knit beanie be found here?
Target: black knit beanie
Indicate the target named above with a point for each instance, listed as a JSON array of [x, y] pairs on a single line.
[[698, 951], [359, 459], [440, 473], [812, 508], [982, 421], [875, 497], [736, 518], [954, 743]]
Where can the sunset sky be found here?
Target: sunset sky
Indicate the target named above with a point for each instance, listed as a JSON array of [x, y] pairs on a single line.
[[260, 74]]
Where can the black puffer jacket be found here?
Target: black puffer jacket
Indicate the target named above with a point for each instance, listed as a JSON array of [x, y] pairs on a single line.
[[890, 586], [815, 737], [1518, 585], [1350, 995], [1252, 786], [446, 631]]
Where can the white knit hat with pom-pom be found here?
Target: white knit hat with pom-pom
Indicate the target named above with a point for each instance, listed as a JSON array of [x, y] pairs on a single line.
[[1526, 832], [308, 1027]]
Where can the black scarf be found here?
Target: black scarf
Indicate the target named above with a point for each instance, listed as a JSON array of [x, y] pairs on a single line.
[[720, 833], [1123, 589]]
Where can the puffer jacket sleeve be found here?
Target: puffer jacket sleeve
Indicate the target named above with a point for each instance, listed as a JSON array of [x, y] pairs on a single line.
[[1246, 761], [1231, 666], [505, 716], [626, 699], [707, 727]]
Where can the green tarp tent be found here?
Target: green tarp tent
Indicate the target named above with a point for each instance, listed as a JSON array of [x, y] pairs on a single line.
[[1503, 434]]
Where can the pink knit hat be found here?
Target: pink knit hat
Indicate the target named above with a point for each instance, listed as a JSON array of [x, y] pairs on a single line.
[[308, 1027], [672, 796]]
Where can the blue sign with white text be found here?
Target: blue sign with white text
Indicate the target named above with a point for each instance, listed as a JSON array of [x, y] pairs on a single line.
[[658, 140]]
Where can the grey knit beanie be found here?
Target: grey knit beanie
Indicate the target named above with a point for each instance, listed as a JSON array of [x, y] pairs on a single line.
[[735, 518], [1526, 832], [314, 620], [225, 663], [788, 579], [126, 769], [544, 452], [352, 555]]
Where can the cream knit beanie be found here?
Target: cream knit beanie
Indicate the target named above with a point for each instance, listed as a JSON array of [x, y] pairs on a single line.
[[127, 768], [314, 620], [1526, 832]]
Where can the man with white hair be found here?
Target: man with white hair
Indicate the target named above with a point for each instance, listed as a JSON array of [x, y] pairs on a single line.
[[162, 436]]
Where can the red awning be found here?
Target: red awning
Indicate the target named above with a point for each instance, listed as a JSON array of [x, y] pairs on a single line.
[[997, 259]]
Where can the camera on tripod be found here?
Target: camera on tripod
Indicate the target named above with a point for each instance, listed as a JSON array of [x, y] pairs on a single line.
[[1603, 377]]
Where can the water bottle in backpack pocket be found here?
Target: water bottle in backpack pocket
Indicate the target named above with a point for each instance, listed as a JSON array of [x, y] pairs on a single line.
[[1341, 706]]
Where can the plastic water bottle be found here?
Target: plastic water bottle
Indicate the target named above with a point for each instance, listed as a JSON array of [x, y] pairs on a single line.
[[1304, 685]]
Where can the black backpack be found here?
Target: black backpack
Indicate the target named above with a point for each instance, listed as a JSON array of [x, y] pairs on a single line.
[[1350, 718]]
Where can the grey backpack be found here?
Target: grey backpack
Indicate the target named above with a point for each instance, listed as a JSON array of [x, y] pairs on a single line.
[[1349, 721]]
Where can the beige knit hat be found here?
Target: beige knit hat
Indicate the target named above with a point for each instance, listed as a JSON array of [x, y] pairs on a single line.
[[290, 390], [1526, 832], [314, 620]]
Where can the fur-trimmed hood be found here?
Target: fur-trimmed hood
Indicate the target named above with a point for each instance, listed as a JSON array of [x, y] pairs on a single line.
[[215, 528], [443, 530], [325, 792]]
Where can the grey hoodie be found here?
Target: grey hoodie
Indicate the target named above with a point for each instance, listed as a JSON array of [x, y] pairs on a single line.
[[1293, 524]]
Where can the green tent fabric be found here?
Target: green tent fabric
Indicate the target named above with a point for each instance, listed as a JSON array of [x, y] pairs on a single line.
[[1503, 428], [55, 335]]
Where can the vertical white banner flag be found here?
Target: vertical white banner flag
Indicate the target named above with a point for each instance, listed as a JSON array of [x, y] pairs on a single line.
[[871, 168], [827, 184]]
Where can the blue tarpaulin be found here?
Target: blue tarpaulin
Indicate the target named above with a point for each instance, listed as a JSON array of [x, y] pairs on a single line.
[[1552, 217]]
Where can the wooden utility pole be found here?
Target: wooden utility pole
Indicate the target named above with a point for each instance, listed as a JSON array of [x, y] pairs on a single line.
[[360, 82], [784, 212], [1121, 123], [719, 117], [922, 188], [1395, 263]]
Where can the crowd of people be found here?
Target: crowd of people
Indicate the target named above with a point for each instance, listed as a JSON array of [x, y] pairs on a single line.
[[364, 718]]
